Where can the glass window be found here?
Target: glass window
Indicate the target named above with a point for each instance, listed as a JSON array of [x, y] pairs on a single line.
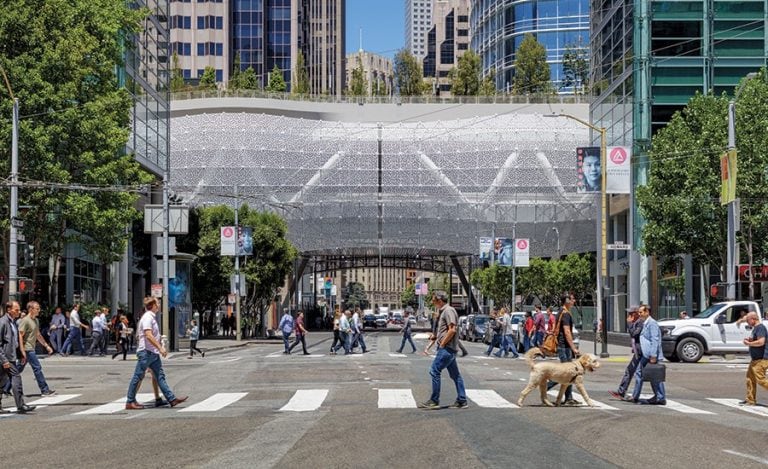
[[187, 22], [219, 22], [219, 75], [219, 49], [201, 48]]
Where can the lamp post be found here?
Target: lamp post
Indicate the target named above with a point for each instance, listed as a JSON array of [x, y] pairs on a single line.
[[602, 265], [732, 205]]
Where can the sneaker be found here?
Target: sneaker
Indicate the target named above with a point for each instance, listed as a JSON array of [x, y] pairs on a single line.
[[571, 403], [616, 395], [49, 392], [745, 402], [429, 405], [653, 401], [460, 405], [630, 399]]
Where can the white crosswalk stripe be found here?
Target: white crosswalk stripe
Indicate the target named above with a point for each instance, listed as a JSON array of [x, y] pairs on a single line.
[[305, 400], [216, 402], [580, 399], [734, 403], [396, 399], [677, 406], [114, 406], [46, 401], [489, 398]]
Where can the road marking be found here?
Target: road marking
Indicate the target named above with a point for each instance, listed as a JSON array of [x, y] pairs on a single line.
[[305, 400], [275, 354], [421, 335], [228, 360], [752, 409], [489, 398], [578, 397], [216, 402], [114, 406], [396, 399], [46, 401], [676, 406], [748, 456], [397, 355]]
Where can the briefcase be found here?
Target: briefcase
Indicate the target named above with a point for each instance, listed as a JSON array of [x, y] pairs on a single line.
[[655, 373]]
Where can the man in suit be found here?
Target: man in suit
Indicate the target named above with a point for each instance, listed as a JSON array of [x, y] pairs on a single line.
[[650, 345], [12, 356]]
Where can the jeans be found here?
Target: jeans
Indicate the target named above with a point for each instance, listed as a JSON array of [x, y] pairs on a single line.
[[402, 344], [495, 342], [152, 361], [526, 343], [345, 336], [37, 369], [74, 337], [286, 343], [57, 339], [446, 359], [628, 374], [299, 339], [658, 388], [565, 355], [538, 339], [358, 337]]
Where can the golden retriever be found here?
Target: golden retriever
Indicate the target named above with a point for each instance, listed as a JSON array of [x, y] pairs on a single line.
[[563, 373]]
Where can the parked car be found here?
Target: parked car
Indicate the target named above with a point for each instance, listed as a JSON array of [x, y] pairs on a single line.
[[397, 317], [382, 320], [477, 324], [517, 321], [369, 320]]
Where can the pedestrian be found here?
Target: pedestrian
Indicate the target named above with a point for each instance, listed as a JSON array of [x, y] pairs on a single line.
[[337, 341], [357, 331], [75, 333], [508, 343], [566, 350], [286, 327], [758, 352], [493, 333], [97, 333], [540, 326], [406, 330], [12, 356], [148, 355], [345, 332], [124, 332], [105, 332], [56, 329], [529, 331], [634, 327], [194, 334], [300, 332], [224, 325], [650, 345], [30, 336], [447, 347]]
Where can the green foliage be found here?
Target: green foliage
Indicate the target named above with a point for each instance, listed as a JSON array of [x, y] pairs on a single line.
[[354, 295], [531, 69], [248, 79], [60, 57], [576, 68], [408, 74], [466, 77], [408, 297], [358, 85], [300, 76], [208, 80], [177, 78], [276, 81], [494, 282], [235, 77], [488, 85]]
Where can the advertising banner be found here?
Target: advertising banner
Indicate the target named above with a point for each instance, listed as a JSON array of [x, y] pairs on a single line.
[[589, 177], [522, 252], [728, 173], [502, 249], [617, 172], [245, 241], [228, 241], [485, 249]]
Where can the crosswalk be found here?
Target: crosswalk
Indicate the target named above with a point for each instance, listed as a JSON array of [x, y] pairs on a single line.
[[311, 400]]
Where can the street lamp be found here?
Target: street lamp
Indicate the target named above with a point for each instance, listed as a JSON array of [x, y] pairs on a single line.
[[602, 266], [732, 204]]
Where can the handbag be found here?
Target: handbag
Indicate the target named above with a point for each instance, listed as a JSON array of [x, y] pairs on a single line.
[[549, 346], [655, 373]]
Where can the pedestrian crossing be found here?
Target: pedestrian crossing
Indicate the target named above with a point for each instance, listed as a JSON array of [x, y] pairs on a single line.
[[312, 400]]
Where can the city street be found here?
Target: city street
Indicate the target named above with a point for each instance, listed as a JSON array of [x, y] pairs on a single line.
[[252, 406]]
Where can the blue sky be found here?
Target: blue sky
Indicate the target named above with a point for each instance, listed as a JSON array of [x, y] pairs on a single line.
[[382, 23]]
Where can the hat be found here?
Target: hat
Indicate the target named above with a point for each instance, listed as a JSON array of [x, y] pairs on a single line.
[[632, 309]]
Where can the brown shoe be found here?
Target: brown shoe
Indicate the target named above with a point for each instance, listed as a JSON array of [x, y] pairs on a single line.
[[178, 401], [133, 406]]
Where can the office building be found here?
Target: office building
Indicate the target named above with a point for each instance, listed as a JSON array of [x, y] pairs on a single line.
[[447, 40], [318, 31], [199, 38], [498, 28], [378, 71], [418, 21]]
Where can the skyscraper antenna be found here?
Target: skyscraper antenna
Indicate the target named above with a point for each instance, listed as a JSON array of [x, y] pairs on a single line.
[[361, 39]]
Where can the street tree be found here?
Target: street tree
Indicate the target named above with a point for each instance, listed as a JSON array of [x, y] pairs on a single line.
[[354, 295], [495, 283], [488, 84], [408, 297], [532, 73], [234, 83], [467, 75], [276, 81], [409, 76], [60, 59], [576, 68], [300, 76], [208, 80], [358, 85], [177, 76], [248, 79]]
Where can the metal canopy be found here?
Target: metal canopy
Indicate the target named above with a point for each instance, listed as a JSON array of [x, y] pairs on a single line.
[[401, 190]]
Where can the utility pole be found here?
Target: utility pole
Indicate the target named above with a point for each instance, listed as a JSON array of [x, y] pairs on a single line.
[[13, 254], [237, 268]]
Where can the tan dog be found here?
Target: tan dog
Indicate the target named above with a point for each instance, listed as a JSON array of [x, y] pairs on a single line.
[[562, 373]]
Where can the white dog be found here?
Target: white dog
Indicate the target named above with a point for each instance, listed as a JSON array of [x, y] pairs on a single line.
[[563, 373]]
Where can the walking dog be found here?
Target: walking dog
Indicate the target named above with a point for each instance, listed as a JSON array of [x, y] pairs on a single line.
[[563, 373]]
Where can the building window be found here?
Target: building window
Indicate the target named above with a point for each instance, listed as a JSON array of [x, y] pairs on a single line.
[[464, 32]]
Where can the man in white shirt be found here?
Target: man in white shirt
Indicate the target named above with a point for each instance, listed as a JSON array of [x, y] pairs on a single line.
[[148, 355], [75, 334], [97, 333], [357, 331]]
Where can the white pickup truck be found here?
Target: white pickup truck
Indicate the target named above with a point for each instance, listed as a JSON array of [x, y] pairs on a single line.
[[716, 330]]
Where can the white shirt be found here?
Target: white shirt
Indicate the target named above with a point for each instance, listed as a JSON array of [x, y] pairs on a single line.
[[96, 325], [148, 321], [74, 319]]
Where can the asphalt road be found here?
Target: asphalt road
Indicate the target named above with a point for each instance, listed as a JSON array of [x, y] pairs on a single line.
[[255, 407]]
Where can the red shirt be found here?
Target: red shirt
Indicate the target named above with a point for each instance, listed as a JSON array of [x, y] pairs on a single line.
[[299, 327]]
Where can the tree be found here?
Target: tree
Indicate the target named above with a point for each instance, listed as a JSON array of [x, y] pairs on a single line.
[[61, 66], [276, 81], [208, 80], [177, 77], [248, 79], [494, 282], [409, 298], [467, 75], [300, 77], [488, 85], [235, 78], [408, 74], [576, 68], [358, 85], [531, 69], [354, 295]]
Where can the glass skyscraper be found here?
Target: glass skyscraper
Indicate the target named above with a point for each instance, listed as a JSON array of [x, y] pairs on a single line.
[[499, 26], [261, 31]]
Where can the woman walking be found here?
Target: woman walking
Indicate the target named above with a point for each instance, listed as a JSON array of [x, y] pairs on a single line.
[[124, 332], [194, 333]]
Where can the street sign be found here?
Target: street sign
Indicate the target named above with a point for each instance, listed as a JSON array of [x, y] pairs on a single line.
[[233, 287], [522, 252], [157, 290], [231, 298], [17, 223], [618, 246], [178, 219]]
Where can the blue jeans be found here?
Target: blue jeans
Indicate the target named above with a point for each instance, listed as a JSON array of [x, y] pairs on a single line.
[[565, 355], [37, 369], [75, 336], [446, 359], [538, 339], [286, 343], [526, 343], [658, 388], [57, 339], [358, 336], [402, 344], [152, 361]]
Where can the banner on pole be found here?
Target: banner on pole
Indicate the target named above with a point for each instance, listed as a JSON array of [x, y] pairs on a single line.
[[618, 163], [228, 241], [157, 290], [589, 176], [728, 173], [244, 241], [522, 252], [502, 248], [485, 249]]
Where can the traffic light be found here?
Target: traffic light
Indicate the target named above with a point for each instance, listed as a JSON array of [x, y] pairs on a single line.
[[718, 291]]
